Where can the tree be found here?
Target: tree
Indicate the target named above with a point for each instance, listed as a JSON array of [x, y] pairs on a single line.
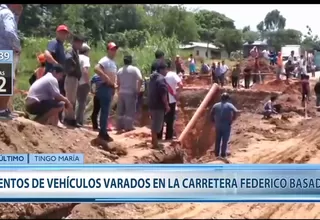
[[230, 39], [248, 35]]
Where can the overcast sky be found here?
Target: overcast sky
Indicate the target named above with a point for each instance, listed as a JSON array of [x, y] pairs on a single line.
[[298, 16]]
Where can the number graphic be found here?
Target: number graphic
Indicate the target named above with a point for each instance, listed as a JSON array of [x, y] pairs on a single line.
[[3, 83], [6, 55]]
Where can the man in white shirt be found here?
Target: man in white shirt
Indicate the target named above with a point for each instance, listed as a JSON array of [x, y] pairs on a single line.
[[302, 65], [129, 81], [44, 99], [173, 81], [223, 70], [106, 69], [84, 84]]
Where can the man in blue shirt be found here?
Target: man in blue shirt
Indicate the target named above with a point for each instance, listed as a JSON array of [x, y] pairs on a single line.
[[222, 115], [55, 55], [9, 40]]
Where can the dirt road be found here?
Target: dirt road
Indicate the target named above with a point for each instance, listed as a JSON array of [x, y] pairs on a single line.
[[285, 139]]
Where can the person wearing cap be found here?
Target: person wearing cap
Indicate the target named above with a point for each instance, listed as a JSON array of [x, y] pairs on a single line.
[[73, 75], [158, 101], [9, 40], [222, 115], [84, 83], [159, 55], [129, 81], [106, 69], [44, 99]]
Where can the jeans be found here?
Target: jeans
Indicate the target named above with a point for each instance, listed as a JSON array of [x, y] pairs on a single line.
[[222, 135], [105, 95], [95, 112]]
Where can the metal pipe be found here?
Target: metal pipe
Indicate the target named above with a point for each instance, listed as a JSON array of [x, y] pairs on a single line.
[[199, 111]]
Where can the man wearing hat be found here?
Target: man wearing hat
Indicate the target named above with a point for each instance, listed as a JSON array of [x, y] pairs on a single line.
[[84, 83], [129, 81], [106, 69], [9, 40], [44, 99], [55, 54], [73, 75]]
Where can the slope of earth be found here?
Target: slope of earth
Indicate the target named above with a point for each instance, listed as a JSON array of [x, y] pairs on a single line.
[[25, 136], [253, 141]]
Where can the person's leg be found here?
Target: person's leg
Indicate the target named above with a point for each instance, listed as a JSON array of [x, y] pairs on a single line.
[[45, 111], [71, 87], [130, 100], [225, 138], [170, 121], [217, 142], [104, 95], [157, 118], [120, 112], [95, 112], [82, 95]]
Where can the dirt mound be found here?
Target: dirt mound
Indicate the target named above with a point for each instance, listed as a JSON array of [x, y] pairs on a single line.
[[265, 67], [197, 80], [288, 87]]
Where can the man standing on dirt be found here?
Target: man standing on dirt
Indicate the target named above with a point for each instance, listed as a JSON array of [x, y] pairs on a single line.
[[55, 55], [235, 76], [129, 81], [158, 101], [223, 71], [73, 75], [84, 83], [106, 69], [222, 115], [173, 81], [159, 55], [9, 40]]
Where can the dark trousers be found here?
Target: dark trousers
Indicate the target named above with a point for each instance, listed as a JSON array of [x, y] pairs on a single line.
[[247, 79], [221, 79], [95, 112], [169, 120], [305, 95], [234, 81], [222, 138]]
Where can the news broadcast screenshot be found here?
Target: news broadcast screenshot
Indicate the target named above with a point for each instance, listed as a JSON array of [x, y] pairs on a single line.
[[142, 111]]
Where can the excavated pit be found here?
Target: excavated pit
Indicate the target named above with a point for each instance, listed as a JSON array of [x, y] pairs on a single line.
[[38, 139]]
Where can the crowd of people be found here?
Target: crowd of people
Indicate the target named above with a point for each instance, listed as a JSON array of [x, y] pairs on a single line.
[[60, 86]]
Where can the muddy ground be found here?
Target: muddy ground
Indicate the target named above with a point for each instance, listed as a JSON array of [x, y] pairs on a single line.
[[287, 138]]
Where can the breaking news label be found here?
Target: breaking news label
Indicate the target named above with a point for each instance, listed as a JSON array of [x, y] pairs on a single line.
[[6, 72], [114, 183]]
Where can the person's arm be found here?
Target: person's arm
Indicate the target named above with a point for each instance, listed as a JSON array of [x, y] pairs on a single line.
[[179, 83], [164, 91], [10, 31], [69, 64], [85, 69], [235, 112], [104, 75], [51, 49], [56, 93], [139, 79]]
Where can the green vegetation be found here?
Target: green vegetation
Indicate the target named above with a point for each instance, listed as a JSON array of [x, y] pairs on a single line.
[[141, 29]]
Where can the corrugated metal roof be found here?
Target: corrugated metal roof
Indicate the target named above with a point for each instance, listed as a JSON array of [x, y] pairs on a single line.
[[257, 42], [198, 44]]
